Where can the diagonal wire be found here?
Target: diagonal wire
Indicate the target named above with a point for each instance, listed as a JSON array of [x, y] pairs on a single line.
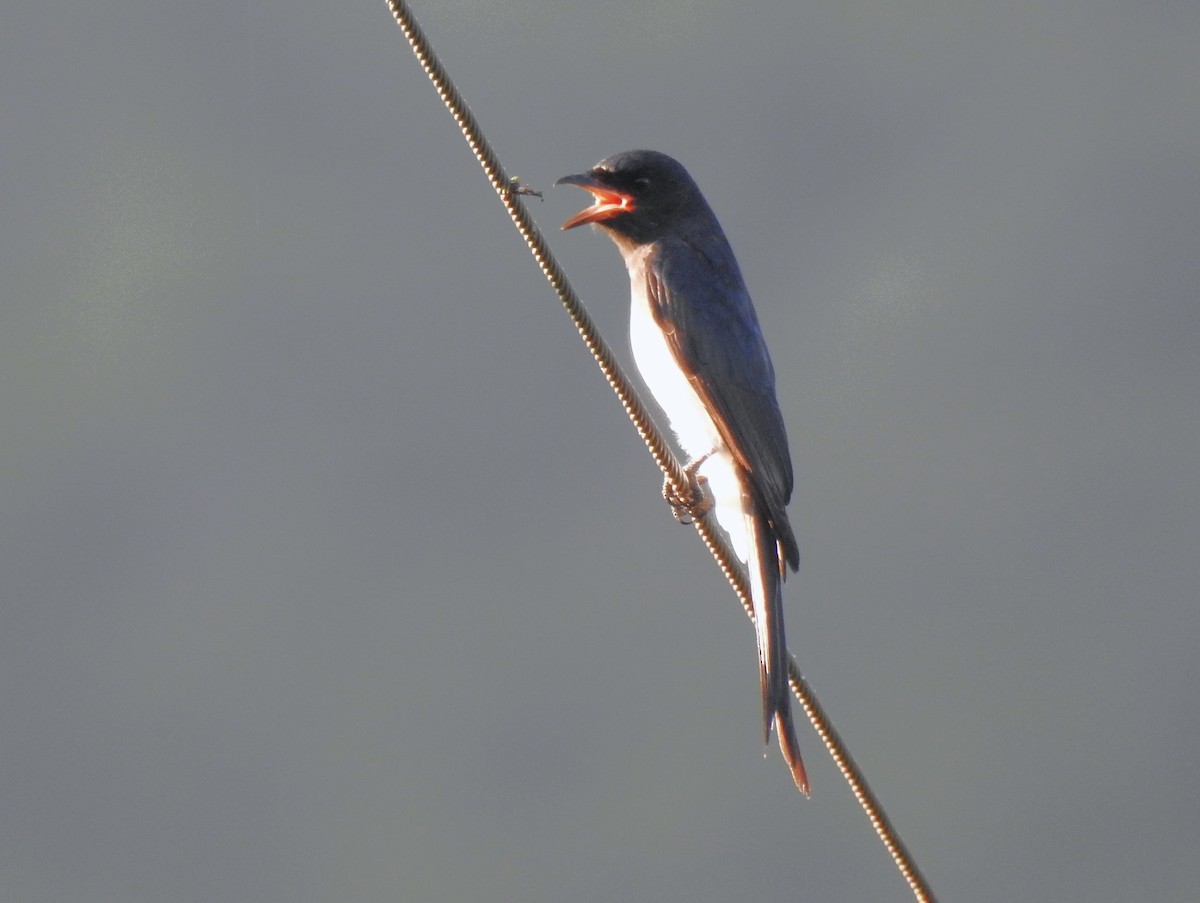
[[733, 569]]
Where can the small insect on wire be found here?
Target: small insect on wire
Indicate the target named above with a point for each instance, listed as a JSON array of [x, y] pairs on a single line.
[[516, 187]]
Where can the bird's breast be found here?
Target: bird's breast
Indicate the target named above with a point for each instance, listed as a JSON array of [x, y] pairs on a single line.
[[689, 419]]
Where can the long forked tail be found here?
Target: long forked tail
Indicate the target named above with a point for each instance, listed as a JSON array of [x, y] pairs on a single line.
[[766, 591]]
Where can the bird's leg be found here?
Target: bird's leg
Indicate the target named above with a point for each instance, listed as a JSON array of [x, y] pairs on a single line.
[[695, 504]]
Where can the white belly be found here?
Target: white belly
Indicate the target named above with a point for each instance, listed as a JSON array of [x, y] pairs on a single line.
[[688, 418]]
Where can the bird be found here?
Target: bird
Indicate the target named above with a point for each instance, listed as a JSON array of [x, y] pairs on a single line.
[[699, 348]]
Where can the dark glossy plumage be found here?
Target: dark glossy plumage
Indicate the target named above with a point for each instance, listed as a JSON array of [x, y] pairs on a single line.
[[699, 347]]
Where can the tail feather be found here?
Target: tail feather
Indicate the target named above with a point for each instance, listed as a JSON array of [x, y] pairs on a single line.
[[790, 747], [766, 591]]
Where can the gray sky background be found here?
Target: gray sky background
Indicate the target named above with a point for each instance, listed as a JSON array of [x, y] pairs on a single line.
[[331, 570]]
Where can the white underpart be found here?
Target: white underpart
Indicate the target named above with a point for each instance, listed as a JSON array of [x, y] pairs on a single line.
[[689, 419]]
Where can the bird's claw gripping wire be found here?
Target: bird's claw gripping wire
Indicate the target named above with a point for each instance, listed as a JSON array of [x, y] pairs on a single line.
[[696, 503]]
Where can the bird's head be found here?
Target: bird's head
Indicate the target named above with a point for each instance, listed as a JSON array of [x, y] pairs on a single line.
[[639, 195]]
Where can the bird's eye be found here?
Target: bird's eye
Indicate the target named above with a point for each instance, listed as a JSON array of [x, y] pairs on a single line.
[[642, 182]]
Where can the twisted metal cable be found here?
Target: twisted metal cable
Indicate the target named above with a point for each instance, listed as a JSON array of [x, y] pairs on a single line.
[[537, 245], [660, 450]]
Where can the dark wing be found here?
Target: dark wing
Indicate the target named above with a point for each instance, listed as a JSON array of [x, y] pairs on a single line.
[[701, 304]]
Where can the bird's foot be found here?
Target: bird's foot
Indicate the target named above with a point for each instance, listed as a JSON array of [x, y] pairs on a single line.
[[696, 503]]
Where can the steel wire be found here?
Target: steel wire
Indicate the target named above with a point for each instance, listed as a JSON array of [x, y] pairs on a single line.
[[659, 448]]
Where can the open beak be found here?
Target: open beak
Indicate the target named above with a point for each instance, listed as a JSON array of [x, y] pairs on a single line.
[[608, 203]]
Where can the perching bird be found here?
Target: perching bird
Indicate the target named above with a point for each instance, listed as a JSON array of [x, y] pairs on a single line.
[[699, 348]]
